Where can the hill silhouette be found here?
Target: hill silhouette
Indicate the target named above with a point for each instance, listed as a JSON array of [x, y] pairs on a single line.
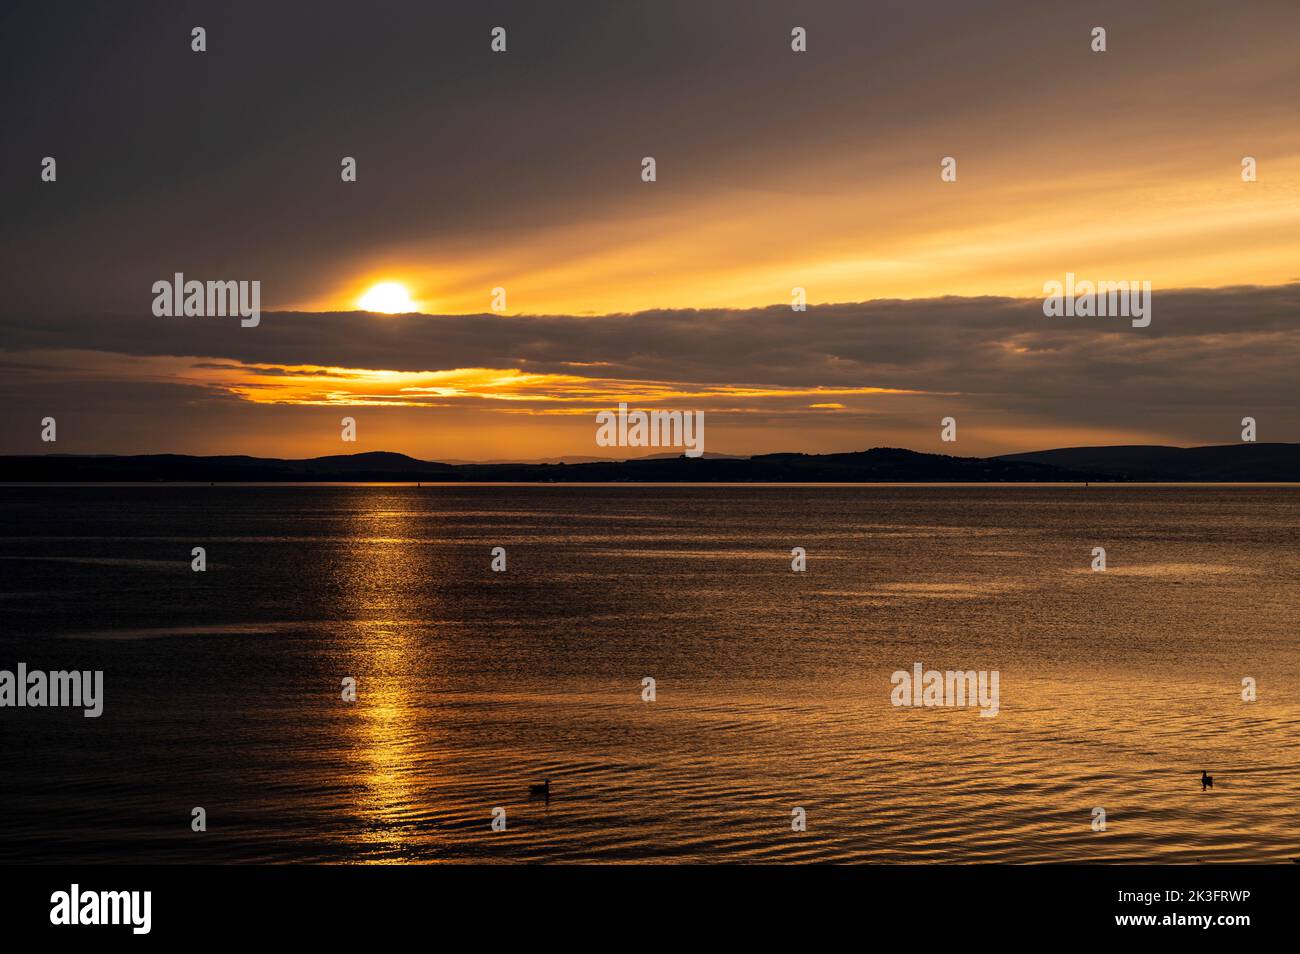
[[1233, 462], [1224, 462]]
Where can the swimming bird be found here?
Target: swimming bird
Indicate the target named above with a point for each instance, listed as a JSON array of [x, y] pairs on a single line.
[[1207, 781], [544, 789]]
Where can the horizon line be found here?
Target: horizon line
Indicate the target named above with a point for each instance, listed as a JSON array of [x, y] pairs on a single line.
[[667, 455]]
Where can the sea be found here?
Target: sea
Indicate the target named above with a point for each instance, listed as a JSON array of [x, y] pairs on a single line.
[[380, 673]]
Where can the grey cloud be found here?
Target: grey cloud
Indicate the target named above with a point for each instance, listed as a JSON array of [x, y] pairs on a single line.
[[1203, 348], [226, 163]]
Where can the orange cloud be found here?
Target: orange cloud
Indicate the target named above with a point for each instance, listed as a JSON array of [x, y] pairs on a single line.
[[308, 385], [900, 233]]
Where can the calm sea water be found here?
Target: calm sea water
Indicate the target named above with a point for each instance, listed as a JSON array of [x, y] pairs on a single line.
[[773, 687]]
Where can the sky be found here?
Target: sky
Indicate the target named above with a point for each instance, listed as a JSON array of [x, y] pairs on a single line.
[[522, 170]]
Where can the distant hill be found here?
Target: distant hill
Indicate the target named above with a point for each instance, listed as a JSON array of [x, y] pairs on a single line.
[[1226, 462], [585, 459], [885, 464], [1232, 462], [379, 466]]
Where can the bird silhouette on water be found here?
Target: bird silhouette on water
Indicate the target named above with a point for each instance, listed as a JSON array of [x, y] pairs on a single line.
[[1207, 781]]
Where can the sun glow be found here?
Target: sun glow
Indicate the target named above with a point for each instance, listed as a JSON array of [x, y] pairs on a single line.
[[387, 298]]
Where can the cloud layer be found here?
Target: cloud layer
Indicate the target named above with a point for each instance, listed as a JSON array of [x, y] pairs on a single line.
[[834, 377]]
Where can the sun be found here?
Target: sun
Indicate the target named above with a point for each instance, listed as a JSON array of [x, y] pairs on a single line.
[[387, 298]]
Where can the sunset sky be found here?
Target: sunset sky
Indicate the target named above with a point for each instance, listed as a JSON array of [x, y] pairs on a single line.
[[522, 170]]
